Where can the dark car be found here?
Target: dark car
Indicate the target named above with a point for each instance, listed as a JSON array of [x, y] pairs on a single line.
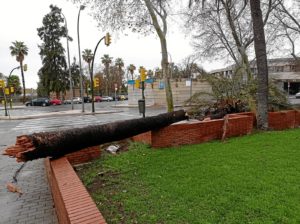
[[38, 102], [87, 99]]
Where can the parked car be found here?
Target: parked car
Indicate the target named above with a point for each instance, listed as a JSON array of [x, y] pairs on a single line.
[[107, 98], [122, 97], [38, 102], [77, 100], [55, 102], [297, 95], [87, 99], [97, 98], [67, 101]]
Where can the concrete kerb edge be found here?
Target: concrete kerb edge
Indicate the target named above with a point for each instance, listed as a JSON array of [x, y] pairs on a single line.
[[55, 115]]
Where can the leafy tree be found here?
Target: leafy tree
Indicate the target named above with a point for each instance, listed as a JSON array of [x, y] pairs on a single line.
[[14, 81], [19, 49], [53, 75], [142, 16], [75, 73]]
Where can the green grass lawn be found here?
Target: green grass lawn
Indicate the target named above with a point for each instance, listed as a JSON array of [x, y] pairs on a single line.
[[251, 179]]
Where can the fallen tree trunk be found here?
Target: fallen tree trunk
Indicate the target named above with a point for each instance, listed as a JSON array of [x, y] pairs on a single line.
[[58, 143]]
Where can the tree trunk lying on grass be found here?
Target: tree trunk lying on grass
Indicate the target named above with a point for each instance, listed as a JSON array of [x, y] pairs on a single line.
[[58, 143]]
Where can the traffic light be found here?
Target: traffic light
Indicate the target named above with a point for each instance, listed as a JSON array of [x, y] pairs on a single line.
[[6, 91], [107, 39], [143, 74], [25, 67], [137, 83], [12, 89], [96, 82], [2, 84]]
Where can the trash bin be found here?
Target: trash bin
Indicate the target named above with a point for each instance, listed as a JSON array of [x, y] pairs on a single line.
[[141, 106]]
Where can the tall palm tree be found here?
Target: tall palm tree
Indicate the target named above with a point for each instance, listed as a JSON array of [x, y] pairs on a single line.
[[131, 69], [19, 49], [120, 64], [87, 56], [106, 60]]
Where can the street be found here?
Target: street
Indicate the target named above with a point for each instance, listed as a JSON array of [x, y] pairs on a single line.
[[36, 205]]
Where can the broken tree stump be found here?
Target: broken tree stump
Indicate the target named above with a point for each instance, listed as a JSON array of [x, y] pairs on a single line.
[[59, 143]]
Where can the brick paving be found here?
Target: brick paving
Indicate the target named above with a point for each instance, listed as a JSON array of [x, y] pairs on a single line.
[[36, 204]]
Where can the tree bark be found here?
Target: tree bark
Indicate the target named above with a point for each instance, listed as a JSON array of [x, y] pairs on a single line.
[[161, 32], [262, 64], [58, 143]]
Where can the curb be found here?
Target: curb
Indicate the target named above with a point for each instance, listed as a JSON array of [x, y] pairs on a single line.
[[56, 114]]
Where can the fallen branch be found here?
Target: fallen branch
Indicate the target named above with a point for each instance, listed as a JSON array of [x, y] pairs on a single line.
[[59, 143]]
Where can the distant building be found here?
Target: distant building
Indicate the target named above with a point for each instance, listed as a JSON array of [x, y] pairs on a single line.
[[155, 94], [285, 73]]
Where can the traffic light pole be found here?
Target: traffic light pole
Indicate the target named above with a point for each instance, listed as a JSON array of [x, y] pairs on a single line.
[[91, 75], [5, 106]]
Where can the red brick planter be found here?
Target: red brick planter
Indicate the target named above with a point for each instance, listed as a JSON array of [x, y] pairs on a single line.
[[283, 119], [194, 132], [73, 203]]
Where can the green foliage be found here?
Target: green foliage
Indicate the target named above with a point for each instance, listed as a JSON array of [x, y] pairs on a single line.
[[227, 91], [18, 49], [14, 81], [251, 179], [53, 75]]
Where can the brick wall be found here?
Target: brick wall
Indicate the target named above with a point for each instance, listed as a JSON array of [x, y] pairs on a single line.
[[239, 124], [84, 155], [282, 119], [73, 203], [297, 118], [194, 132]]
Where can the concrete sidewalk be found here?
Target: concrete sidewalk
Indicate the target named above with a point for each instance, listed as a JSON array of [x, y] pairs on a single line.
[[59, 113]]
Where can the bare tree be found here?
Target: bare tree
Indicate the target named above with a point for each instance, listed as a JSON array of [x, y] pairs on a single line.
[[226, 29], [142, 16]]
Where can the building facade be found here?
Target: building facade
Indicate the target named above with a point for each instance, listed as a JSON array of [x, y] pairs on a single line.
[[284, 72]]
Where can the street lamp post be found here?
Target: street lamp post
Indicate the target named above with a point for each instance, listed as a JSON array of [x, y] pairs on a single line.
[[91, 75], [79, 52], [18, 67], [70, 75]]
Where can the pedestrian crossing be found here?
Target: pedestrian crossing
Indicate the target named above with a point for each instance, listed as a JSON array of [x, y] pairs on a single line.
[[56, 123]]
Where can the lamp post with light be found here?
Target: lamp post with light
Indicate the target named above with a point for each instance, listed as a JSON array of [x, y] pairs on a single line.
[[79, 52]]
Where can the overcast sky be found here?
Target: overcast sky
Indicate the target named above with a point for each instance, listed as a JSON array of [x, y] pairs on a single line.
[[19, 20]]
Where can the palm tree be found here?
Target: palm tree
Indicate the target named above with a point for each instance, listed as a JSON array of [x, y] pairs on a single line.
[[19, 49], [87, 56], [120, 64], [106, 60], [131, 69]]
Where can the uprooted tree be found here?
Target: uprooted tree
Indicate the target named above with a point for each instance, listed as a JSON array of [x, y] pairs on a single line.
[[233, 95], [59, 143]]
